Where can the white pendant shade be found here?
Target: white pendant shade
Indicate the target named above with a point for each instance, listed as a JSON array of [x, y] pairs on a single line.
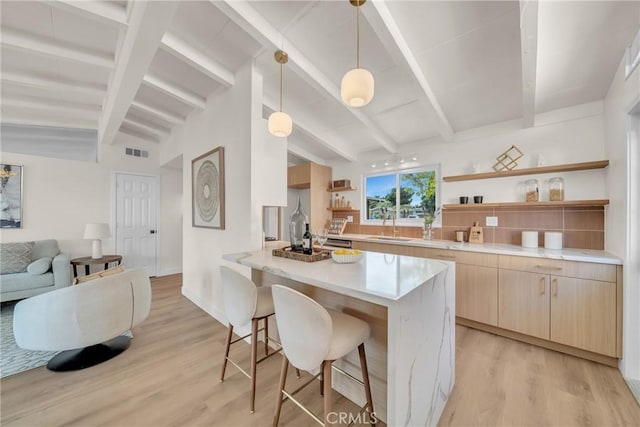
[[357, 87], [280, 124]]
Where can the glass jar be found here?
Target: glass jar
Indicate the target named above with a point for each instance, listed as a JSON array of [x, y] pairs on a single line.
[[556, 189], [297, 222], [531, 191]]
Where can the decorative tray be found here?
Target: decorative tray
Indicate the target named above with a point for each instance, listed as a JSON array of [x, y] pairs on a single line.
[[318, 255]]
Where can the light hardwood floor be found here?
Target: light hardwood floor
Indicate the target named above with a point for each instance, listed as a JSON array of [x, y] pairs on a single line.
[[169, 377]]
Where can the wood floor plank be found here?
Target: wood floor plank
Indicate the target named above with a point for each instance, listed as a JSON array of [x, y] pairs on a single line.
[[169, 377]]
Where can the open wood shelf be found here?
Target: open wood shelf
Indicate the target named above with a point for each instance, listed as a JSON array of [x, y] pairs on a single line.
[[530, 171], [341, 209], [339, 189], [470, 206]]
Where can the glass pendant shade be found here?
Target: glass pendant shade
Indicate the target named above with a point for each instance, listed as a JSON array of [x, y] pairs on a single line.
[[280, 124], [357, 87], [297, 227]]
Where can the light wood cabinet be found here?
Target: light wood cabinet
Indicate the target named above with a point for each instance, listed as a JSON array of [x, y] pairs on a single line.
[[477, 293], [299, 176], [524, 302], [583, 314], [317, 179]]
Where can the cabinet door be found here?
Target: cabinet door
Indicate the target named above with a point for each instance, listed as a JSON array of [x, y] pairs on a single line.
[[583, 314], [299, 176], [477, 293], [523, 301]]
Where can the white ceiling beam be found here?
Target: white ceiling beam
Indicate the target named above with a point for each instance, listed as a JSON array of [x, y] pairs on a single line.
[[335, 144], [53, 48], [146, 128], [196, 59], [383, 23], [148, 22], [529, 55], [247, 18], [27, 118], [52, 85], [53, 106], [296, 150], [156, 112], [175, 92], [138, 134], [105, 12]]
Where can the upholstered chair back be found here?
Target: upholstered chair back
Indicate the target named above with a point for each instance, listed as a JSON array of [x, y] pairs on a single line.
[[239, 296]]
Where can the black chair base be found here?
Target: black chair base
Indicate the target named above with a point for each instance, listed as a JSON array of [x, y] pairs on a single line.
[[81, 358]]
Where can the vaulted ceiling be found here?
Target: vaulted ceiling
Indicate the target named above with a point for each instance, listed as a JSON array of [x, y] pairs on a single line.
[[440, 67]]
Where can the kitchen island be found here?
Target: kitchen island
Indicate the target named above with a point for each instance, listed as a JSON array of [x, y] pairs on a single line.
[[409, 303]]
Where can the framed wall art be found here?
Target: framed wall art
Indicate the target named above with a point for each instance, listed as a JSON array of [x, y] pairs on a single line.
[[207, 180], [11, 196]]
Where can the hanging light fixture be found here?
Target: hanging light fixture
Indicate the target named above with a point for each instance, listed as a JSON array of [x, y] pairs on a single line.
[[357, 85], [280, 123]]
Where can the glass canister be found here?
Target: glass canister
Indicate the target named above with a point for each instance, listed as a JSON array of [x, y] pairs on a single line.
[[556, 189], [297, 223], [532, 193]]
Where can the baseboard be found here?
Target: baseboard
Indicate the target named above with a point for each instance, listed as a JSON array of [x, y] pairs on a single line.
[[219, 316], [169, 272]]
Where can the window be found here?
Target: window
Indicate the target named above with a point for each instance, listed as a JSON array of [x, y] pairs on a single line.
[[409, 194]]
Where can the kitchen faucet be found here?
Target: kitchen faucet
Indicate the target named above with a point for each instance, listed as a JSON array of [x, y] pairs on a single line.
[[385, 216]]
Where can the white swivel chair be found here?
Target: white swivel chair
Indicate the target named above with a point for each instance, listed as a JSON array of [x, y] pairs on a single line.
[[84, 322], [313, 337], [245, 303]]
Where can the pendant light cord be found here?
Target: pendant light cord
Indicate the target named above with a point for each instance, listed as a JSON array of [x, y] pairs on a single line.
[[358, 35], [280, 87]]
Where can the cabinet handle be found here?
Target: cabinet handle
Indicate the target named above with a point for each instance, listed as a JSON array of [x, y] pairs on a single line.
[[554, 287], [446, 256], [543, 286], [548, 267]]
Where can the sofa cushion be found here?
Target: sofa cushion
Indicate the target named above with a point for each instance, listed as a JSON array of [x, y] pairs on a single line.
[[42, 248], [40, 266], [23, 281], [15, 257]]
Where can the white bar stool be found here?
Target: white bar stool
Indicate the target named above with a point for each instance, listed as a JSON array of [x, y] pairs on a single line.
[[313, 337], [245, 302]]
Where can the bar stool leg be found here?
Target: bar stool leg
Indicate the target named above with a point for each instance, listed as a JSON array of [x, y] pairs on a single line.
[[266, 336], [326, 374], [297, 373], [365, 380], [321, 384], [254, 361], [226, 352], [283, 381]]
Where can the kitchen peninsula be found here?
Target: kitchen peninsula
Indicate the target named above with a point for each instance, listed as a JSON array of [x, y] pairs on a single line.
[[409, 303]]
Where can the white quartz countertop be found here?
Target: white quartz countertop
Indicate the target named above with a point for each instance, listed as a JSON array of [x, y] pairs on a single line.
[[583, 255], [378, 278]]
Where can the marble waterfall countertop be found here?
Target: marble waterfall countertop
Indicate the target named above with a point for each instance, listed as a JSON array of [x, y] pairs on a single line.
[[378, 278], [583, 255]]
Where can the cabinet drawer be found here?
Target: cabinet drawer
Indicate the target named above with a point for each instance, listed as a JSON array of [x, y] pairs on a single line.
[[582, 270], [461, 257]]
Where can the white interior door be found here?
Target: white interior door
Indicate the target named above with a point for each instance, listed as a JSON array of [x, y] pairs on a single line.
[[136, 221]]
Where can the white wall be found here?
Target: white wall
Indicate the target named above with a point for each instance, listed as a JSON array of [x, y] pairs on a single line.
[[232, 119], [565, 136], [61, 196], [622, 95]]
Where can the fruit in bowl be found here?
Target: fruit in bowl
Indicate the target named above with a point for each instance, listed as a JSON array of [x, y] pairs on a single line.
[[346, 256]]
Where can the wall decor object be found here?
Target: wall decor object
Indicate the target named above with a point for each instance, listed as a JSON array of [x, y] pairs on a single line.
[[507, 160], [11, 196], [207, 180]]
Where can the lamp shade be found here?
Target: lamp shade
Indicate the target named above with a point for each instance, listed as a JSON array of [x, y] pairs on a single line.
[[97, 230], [280, 124], [357, 87]]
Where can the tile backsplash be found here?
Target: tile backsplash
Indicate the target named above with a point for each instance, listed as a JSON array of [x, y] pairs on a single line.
[[582, 227]]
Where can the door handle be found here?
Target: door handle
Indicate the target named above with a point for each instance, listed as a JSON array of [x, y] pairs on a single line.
[[543, 285], [152, 231], [554, 287]]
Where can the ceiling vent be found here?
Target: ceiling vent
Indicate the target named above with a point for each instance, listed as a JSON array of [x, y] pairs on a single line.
[[136, 152]]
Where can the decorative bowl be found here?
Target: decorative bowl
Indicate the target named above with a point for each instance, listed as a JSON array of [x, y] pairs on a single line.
[[346, 259]]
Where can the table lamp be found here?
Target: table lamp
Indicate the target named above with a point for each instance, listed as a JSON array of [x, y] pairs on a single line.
[[97, 231]]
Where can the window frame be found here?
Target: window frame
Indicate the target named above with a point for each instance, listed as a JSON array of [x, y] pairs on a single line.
[[402, 222]]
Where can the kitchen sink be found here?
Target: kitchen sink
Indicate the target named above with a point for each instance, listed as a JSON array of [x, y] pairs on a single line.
[[393, 239]]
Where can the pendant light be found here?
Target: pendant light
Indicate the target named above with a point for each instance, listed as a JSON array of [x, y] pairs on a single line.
[[357, 85], [280, 124]]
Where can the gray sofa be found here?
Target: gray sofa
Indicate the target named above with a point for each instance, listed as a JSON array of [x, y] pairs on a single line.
[[26, 271]]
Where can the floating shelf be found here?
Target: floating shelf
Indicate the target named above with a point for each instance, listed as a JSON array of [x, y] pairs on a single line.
[[341, 209], [471, 206], [530, 171], [339, 189]]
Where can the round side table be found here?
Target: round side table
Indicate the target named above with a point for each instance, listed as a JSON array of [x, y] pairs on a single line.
[[87, 261]]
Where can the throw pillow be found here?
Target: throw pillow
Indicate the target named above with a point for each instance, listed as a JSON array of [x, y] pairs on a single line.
[[109, 272], [15, 257], [40, 266]]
